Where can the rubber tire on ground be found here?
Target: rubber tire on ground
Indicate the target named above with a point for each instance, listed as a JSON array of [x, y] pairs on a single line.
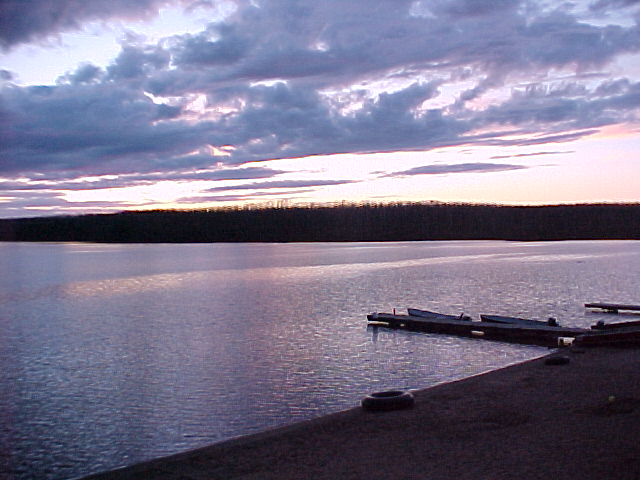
[[389, 400], [557, 360]]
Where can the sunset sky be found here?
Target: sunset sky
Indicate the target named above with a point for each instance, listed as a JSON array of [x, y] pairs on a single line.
[[109, 105]]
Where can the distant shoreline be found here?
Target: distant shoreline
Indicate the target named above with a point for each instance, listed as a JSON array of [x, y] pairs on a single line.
[[342, 223]]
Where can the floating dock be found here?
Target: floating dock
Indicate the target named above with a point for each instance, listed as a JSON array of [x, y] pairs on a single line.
[[613, 307], [544, 335]]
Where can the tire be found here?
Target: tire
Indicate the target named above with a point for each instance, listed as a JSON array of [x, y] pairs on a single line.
[[389, 400]]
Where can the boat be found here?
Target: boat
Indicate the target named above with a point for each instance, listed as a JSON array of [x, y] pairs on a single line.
[[551, 322], [415, 312], [600, 325]]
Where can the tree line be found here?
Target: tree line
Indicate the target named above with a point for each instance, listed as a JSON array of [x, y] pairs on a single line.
[[337, 223]]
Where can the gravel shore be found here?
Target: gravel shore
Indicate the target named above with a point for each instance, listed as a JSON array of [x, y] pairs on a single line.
[[577, 421]]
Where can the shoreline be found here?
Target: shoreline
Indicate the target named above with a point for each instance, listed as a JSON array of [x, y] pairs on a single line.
[[527, 421], [357, 222]]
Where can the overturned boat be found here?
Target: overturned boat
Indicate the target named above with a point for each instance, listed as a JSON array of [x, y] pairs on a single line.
[[415, 312], [552, 322]]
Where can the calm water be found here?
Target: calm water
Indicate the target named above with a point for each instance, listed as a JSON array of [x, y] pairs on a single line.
[[113, 354]]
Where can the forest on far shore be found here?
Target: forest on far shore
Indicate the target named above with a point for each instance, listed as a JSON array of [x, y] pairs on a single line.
[[337, 223]]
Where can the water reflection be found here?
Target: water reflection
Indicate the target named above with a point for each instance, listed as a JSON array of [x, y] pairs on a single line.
[[115, 354]]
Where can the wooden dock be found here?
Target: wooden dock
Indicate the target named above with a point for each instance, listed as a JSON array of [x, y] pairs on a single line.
[[613, 307], [544, 335]]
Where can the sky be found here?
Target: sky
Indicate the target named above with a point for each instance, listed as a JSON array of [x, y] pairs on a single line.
[[112, 105]]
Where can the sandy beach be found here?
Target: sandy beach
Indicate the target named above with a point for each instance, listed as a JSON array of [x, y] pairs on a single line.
[[580, 420]]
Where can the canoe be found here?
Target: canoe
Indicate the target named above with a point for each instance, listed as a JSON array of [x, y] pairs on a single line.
[[415, 312], [552, 322], [613, 326]]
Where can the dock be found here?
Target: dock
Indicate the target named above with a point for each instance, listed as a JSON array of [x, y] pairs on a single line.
[[613, 307], [543, 335], [615, 337]]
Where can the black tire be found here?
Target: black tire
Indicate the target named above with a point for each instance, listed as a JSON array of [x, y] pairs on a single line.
[[389, 400]]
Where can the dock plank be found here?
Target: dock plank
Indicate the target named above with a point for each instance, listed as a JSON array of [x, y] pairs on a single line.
[[613, 337]]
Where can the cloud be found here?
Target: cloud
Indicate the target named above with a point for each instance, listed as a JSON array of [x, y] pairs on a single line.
[[246, 173], [218, 45], [23, 21], [85, 73], [112, 127], [570, 112], [281, 184], [43, 197], [332, 43], [34, 203], [283, 79], [132, 180], [541, 139], [533, 154], [138, 62], [612, 4], [90, 129], [248, 197], [443, 169]]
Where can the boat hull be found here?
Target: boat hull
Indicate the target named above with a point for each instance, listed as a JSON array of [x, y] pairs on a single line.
[[516, 320], [415, 312]]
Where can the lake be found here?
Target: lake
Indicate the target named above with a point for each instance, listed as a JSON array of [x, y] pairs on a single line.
[[112, 354]]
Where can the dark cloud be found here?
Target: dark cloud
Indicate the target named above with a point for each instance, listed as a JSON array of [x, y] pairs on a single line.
[[44, 205], [91, 129], [249, 197], [282, 184], [85, 73], [569, 108], [31, 203], [533, 154], [137, 62], [218, 45], [132, 180], [28, 20], [443, 169], [558, 39], [113, 128], [601, 5], [342, 42], [284, 79], [246, 173], [541, 139]]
